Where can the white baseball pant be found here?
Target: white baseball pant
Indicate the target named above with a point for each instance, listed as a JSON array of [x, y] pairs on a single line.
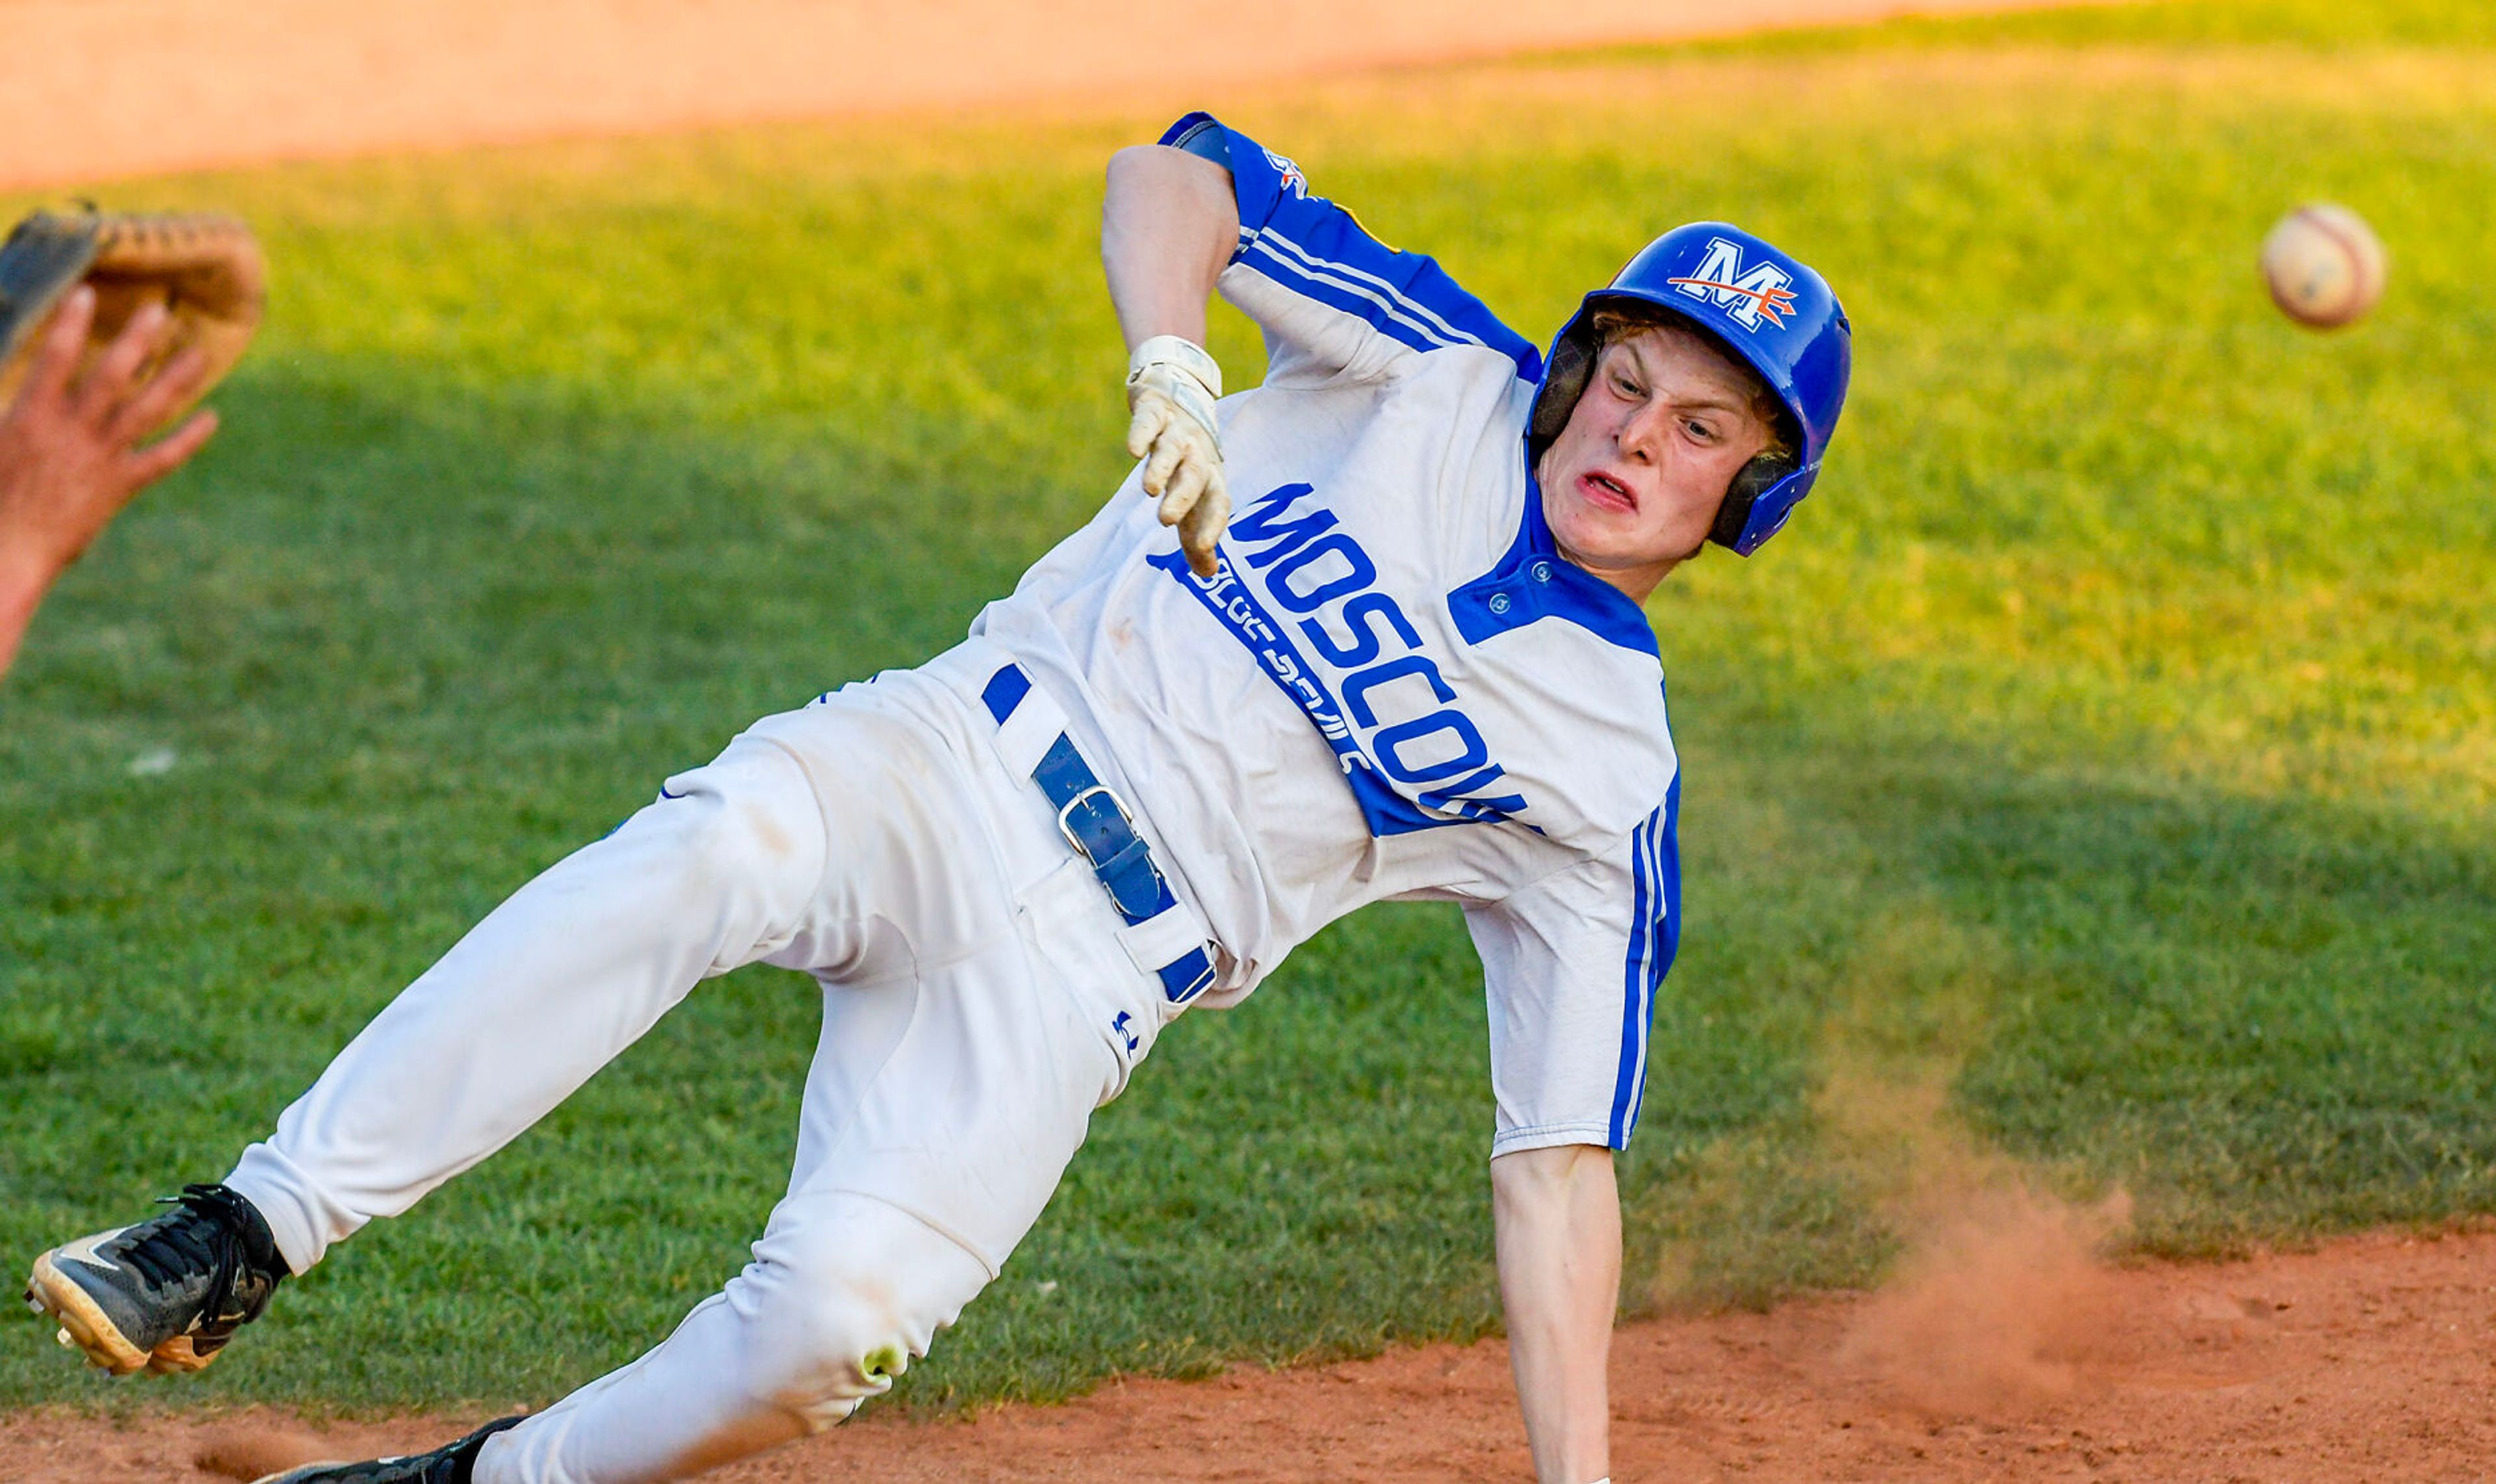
[[977, 1009]]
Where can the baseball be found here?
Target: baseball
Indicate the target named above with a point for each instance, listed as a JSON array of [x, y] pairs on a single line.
[[2324, 265]]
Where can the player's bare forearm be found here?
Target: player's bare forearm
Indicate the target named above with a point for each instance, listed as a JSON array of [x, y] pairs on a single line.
[[1557, 1215], [1169, 222]]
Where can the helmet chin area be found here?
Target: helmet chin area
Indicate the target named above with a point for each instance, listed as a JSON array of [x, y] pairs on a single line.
[[1755, 479], [1763, 497]]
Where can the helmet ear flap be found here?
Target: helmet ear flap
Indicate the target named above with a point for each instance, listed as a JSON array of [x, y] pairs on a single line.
[[1564, 381], [1754, 479]]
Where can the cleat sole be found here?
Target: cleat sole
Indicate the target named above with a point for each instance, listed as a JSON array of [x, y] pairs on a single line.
[[179, 1356]]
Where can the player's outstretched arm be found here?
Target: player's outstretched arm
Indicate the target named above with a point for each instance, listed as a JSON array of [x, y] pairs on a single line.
[[1557, 1215], [1168, 225], [69, 450]]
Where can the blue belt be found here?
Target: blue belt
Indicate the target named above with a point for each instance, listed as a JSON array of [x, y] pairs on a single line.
[[1097, 825]]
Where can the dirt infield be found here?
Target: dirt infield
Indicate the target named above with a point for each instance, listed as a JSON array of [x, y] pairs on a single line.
[[2371, 1358], [102, 88]]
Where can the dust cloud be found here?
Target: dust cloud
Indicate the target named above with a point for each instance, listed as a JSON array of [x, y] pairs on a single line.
[[256, 1450], [2000, 1304], [2001, 1297]]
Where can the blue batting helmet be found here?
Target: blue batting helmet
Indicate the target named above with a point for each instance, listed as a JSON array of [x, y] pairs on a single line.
[[1770, 312]]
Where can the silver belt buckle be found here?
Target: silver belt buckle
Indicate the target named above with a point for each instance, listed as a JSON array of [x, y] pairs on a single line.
[[1069, 808]]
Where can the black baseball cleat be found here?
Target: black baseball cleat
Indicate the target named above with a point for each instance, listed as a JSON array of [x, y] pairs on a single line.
[[164, 1295], [449, 1464]]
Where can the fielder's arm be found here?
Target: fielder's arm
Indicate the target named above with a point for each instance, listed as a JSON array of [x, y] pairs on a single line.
[[1169, 222], [1557, 1217], [69, 450]]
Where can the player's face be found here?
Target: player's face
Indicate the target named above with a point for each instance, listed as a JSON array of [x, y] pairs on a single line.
[[1632, 484]]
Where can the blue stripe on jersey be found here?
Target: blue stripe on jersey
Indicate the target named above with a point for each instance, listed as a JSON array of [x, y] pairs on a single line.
[[1655, 937], [1381, 310], [1317, 249], [1331, 276], [1536, 582], [1633, 1023]]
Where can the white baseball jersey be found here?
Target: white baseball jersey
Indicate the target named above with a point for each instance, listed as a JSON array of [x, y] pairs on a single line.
[[1394, 688]]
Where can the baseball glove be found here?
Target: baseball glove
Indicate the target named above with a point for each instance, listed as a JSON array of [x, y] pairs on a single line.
[[205, 269]]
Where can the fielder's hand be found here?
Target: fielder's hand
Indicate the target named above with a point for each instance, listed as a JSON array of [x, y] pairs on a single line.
[[198, 276], [1171, 385]]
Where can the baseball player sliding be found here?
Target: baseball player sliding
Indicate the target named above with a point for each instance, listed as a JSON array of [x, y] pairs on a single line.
[[1393, 648]]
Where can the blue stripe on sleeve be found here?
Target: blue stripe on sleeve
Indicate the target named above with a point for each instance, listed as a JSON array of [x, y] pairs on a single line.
[[1655, 937], [1669, 879], [1315, 248], [1634, 1024]]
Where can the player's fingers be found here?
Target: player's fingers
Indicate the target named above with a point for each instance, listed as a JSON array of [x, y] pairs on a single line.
[[1152, 415], [168, 388], [168, 454], [1166, 455], [1213, 513], [1179, 496], [108, 382], [58, 354], [1203, 528]]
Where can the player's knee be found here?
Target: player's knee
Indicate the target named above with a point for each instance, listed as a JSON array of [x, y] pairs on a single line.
[[824, 1342], [749, 815]]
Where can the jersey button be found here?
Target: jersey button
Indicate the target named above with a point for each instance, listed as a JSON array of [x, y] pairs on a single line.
[[1498, 603], [1542, 571]]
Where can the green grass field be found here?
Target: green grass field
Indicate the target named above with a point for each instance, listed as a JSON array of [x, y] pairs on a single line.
[[2110, 744]]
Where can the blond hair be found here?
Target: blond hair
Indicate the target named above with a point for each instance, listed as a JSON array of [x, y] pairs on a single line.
[[1624, 320]]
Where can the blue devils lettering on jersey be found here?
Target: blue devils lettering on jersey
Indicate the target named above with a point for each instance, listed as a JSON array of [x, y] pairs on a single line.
[[1398, 721]]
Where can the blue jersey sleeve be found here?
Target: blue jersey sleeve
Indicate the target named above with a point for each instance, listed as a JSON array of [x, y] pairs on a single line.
[[1347, 299]]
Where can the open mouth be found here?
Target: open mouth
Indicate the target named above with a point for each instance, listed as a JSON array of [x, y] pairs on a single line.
[[1603, 489]]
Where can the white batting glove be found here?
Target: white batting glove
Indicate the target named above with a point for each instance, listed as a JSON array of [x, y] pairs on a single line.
[[1171, 385]]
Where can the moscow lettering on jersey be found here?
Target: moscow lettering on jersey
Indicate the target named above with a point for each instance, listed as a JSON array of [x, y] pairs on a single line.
[[1397, 720]]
